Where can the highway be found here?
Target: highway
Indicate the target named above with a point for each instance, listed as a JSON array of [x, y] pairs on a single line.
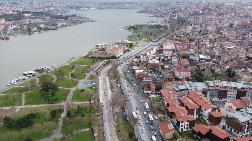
[[134, 106], [136, 98]]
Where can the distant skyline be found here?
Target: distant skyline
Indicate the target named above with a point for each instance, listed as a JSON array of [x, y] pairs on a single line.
[[123, 0]]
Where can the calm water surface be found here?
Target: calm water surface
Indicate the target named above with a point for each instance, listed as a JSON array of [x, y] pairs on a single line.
[[24, 53]]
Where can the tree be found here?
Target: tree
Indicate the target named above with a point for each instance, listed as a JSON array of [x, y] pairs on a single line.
[[158, 87], [22, 122], [78, 110], [49, 87], [131, 135], [198, 75], [26, 121], [8, 122], [60, 74], [69, 114], [44, 78], [230, 73], [53, 114], [118, 100], [207, 73], [28, 139]]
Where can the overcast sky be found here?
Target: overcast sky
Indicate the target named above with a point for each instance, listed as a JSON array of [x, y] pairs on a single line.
[[127, 0]]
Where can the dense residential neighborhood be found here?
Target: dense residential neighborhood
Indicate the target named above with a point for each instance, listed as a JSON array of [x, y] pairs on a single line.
[[202, 73], [185, 77], [24, 18]]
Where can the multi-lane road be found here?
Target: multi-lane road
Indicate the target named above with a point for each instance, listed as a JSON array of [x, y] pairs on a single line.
[[134, 106], [144, 130], [136, 98]]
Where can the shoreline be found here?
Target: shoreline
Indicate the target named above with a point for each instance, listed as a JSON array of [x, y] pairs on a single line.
[[44, 31], [54, 68], [66, 60]]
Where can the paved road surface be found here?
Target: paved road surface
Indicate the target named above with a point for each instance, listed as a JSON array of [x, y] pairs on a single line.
[[105, 96], [135, 95]]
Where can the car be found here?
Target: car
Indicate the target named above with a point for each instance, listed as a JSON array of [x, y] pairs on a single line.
[[139, 117], [145, 113], [154, 133], [156, 117], [151, 127], [141, 101], [140, 123], [153, 138], [147, 121], [137, 112], [143, 131]]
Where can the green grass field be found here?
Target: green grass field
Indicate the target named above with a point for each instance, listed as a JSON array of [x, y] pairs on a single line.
[[45, 78], [36, 97], [66, 82], [83, 136], [188, 135], [79, 72], [84, 61], [10, 100], [42, 127], [128, 127], [16, 90], [77, 119], [63, 71], [83, 95]]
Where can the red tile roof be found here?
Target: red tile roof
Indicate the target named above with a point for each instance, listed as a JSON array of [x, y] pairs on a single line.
[[164, 93], [219, 132], [203, 129], [177, 109], [239, 104], [183, 70], [244, 138], [152, 87], [194, 95], [216, 114], [164, 128], [200, 100], [188, 103], [169, 100], [185, 117], [165, 84], [207, 106], [184, 62]]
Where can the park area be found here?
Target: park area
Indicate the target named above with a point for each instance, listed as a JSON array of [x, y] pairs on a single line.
[[32, 110]]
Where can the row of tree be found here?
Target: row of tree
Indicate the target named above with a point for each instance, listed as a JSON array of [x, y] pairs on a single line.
[[22, 122], [200, 76]]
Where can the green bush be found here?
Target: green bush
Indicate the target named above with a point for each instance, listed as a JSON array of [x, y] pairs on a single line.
[[22, 122]]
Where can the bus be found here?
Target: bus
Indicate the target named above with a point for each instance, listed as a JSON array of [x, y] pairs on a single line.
[[151, 118]]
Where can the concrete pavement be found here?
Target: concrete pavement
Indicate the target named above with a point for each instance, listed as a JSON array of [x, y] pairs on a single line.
[[105, 97]]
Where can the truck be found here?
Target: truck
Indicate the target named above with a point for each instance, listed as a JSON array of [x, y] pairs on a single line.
[[134, 115], [146, 106], [153, 138]]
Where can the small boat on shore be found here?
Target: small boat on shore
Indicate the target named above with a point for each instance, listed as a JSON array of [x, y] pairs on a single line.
[[43, 69], [13, 82], [4, 37], [29, 73]]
